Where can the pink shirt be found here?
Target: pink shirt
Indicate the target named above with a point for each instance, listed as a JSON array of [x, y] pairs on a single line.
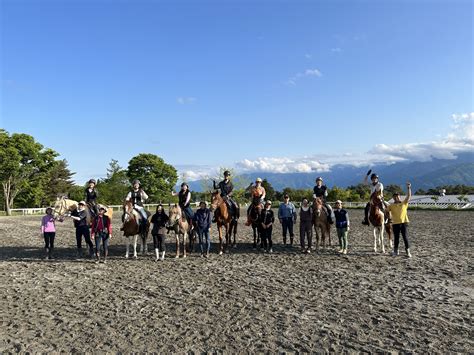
[[47, 224]]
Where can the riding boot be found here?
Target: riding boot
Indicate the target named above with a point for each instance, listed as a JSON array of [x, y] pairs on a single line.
[[157, 253], [50, 253], [163, 256]]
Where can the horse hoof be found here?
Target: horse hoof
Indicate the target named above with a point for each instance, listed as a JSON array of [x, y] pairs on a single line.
[[176, 257], [126, 256], [184, 256], [220, 253]]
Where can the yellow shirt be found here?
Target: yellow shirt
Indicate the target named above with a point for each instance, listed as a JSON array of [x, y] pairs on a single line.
[[399, 212]]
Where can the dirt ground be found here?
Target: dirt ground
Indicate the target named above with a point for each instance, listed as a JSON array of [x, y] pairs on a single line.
[[243, 301]]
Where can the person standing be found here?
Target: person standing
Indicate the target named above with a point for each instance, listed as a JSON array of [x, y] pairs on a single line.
[[399, 212], [158, 231], [342, 226], [266, 221], [287, 218], [101, 232], [306, 226], [82, 229], [202, 218], [48, 232]]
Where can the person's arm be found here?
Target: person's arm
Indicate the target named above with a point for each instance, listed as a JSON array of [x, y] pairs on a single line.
[[347, 218], [109, 227], [279, 212], [326, 192], [42, 226], [144, 195], [188, 198], [231, 189], [216, 187], [264, 193], [408, 197], [129, 196], [294, 213]]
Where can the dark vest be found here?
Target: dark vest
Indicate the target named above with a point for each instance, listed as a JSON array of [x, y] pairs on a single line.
[[226, 188], [137, 197], [306, 216], [341, 218], [320, 191], [91, 196]]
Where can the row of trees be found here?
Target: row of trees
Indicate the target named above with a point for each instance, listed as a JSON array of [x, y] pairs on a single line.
[[32, 176]]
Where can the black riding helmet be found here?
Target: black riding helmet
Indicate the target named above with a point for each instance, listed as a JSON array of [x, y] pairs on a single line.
[[227, 173], [92, 181], [136, 181], [374, 176]]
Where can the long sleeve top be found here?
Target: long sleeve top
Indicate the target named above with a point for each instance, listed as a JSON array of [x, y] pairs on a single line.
[[47, 224]]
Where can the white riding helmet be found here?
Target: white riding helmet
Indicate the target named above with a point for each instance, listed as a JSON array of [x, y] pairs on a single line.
[[259, 180]]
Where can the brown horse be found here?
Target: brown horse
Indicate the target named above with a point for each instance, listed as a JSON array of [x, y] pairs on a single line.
[[320, 223], [131, 228], [178, 223], [223, 219], [254, 214], [377, 219]]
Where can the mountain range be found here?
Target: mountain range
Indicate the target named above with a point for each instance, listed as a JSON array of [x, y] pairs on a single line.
[[422, 175]]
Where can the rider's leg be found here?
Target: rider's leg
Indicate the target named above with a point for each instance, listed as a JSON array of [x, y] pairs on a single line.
[[330, 212], [366, 214]]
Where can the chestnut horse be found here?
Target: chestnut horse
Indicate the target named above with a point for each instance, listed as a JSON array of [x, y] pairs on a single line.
[[223, 219], [178, 223], [254, 214], [377, 219], [320, 223], [131, 228]]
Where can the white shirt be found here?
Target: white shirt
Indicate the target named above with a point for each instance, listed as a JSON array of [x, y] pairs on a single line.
[[377, 187]]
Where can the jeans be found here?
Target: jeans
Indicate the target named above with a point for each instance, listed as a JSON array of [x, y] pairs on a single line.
[[306, 230], [83, 231], [159, 242], [403, 229], [342, 235], [49, 240], [104, 237], [188, 212], [287, 225], [204, 237]]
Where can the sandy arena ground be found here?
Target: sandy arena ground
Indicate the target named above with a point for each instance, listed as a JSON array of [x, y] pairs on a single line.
[[244, 301]]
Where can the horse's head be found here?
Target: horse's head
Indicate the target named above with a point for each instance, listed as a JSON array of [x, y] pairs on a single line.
[[216, 200], [63, 205], [127, 211], [174, 215]]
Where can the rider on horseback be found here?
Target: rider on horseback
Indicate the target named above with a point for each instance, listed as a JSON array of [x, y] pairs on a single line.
[[184, 201], [91, 195], [258, 194], [226, 188], [321, 191], [137, 196], [376, 191]]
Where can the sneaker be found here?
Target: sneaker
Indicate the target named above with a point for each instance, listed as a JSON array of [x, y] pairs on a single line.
[[308, 250], [270, 250], [340, 251], [395, 253], [344, 252], [408, 253]]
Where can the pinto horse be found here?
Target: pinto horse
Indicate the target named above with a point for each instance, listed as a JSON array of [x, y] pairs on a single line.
[[320, 223], [377, 219], [178, 223], [131, 228], [223, 219]]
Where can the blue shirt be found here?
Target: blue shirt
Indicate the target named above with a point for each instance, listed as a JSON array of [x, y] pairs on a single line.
[[286, 210]]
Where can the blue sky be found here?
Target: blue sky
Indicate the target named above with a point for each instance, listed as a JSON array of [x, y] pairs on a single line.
[[256, 85]]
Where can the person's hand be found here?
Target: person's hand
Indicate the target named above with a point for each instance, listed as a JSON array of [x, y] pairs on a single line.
[[281, 221], [92, 236], [348, 228], [368, 172], [110, 236]]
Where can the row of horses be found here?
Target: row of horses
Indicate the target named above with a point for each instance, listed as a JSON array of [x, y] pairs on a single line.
[[226, 222]]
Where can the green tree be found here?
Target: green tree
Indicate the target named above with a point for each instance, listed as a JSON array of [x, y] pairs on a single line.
[[24, 164], [391, 189], [58, 182], [114, 188], [269, 190], [157, 177]]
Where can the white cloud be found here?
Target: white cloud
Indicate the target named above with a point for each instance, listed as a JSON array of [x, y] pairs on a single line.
[[307, 73], [186, 100], [460, 140]]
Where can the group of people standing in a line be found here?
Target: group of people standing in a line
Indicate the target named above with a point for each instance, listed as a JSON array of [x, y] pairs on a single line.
[[101, 230]]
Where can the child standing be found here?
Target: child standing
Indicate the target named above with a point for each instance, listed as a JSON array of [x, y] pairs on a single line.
[[101, 231], [342, 226], [48, 232], [266, 221], [306, 225], [158, 231], [202, 218]]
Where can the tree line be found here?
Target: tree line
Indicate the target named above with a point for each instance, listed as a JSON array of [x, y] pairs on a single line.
[[32, 176]]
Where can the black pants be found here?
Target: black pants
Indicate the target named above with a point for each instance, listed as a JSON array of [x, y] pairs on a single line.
[[397, 229], [266, 236], [306, 230], [83, 231], [287, 226], [159, 242], [49, 240]]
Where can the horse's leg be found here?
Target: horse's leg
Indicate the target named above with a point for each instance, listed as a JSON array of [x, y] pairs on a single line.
[[221, 246], [135, 241], [177, 245], [375, 239], [234, 230], [128, 248], [316, 234], [185, 234], [329, 234], [382, 229]]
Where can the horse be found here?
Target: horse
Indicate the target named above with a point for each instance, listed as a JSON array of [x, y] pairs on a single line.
[[223, 219], [131, 228], [377, 219], [178, 223], [64, 206], [320, 223], [254, 214]]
